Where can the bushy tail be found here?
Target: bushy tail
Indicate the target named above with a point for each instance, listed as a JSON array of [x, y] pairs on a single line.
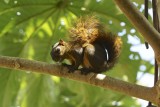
[[112, 43], [85, 30], [88, 30]]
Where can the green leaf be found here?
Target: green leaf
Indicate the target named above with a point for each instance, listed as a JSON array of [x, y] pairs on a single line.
[[29, 28]]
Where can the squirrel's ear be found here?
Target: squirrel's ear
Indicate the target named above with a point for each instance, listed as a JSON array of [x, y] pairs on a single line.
[[61, 42]]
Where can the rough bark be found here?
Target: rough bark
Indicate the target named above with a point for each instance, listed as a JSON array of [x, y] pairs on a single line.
[[146, 93], [151, 35], [158, 9], [142, 25]]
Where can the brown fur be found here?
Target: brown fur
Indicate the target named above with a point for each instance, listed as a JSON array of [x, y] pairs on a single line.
[[89, 46]]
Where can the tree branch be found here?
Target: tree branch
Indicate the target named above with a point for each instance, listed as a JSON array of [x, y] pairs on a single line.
[[100, 80], [141, 23], [158, 9], [144, 27]]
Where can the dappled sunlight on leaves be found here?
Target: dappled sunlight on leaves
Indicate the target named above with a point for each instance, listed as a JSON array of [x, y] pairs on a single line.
[[28, 29]]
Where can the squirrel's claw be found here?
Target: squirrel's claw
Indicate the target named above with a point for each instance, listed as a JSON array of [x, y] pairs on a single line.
[[85, 71], [70, 67]]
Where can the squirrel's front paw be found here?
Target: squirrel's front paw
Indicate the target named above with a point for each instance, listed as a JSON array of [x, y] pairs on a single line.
[[70, 67], [85, 71]]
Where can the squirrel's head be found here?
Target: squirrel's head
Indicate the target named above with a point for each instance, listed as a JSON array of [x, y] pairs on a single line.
[[58, 51]]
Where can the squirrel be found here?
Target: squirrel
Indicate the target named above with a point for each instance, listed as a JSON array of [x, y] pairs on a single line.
[[90, 46]]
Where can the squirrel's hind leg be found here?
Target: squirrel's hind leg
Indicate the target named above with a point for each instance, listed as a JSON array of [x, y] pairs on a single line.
[[94, 58]]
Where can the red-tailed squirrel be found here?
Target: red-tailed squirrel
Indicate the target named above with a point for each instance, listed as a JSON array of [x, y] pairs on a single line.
[[90, 46]]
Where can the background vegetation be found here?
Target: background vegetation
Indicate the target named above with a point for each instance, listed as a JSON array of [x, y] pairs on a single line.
[[28, 28]]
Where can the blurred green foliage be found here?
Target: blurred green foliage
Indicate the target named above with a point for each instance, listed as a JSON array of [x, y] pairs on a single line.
[[28, 28]]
